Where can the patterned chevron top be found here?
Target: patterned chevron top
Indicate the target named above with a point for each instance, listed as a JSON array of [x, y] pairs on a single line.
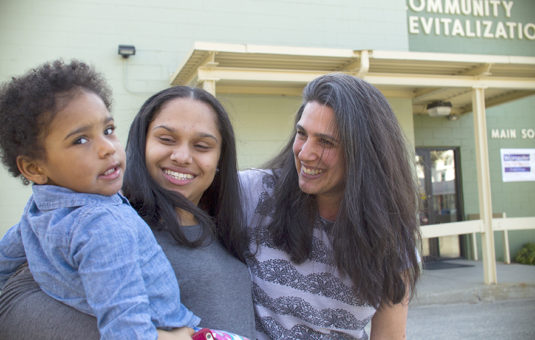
[[311, 300]]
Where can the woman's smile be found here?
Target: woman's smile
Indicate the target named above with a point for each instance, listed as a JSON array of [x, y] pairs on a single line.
[[179, 178], [318, 156], [185, 145], [309, 171]]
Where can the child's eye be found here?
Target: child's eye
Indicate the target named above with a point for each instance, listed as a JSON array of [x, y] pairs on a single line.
[[109, 130], [80, 140]]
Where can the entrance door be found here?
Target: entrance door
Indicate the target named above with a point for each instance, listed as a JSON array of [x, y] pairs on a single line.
[[440, 197]]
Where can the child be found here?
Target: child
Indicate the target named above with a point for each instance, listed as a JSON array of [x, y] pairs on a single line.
[[84, 244]]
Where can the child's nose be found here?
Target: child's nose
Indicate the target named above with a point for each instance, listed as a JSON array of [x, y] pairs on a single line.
[[105, 147]]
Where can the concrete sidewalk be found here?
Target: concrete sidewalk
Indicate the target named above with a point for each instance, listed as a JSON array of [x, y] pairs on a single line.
[[465, 284]]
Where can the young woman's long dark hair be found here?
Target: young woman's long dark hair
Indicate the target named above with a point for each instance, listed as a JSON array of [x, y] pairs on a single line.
[[375, 234], [219, 210]]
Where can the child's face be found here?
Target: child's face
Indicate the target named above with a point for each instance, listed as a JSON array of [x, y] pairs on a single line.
[[83, 152]]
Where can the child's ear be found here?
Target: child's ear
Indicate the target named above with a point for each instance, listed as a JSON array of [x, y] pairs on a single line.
[[32, 170]]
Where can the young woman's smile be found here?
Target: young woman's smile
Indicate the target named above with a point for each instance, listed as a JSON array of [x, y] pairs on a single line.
[[185, 145]]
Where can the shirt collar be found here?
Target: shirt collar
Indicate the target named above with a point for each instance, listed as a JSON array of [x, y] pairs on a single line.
[[49, 197]]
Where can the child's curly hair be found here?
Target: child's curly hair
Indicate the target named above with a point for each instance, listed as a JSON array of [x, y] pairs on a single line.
[[29, 103]]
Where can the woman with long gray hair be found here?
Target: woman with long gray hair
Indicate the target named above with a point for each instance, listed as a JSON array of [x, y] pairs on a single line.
[[334, 220]]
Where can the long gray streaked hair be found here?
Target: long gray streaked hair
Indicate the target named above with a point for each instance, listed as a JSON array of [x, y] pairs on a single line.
[[376, 232]]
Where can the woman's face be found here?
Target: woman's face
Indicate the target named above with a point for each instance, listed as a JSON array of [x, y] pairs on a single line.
[[318, 155], [183, 147]]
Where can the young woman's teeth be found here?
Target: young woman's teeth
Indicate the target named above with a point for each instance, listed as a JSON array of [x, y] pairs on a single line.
[[178, 175], [308, 171]]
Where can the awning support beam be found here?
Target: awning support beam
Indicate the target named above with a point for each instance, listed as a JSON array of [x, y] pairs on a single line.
[[304, 76], [483, 184]]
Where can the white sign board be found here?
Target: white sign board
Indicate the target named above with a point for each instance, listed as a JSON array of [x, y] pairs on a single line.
[[518, 165]]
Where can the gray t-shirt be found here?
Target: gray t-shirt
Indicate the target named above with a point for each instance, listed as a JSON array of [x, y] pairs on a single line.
[[213, 284]]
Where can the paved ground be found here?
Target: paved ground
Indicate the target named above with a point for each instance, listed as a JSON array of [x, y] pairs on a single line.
[[454, 303], [465, 284], [503, 319]]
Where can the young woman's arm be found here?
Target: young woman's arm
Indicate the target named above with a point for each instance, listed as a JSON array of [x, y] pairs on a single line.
[[26, 312], [183, 333], [12, 254]]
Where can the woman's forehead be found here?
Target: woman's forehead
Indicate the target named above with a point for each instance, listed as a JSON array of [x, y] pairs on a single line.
[[318, 117]]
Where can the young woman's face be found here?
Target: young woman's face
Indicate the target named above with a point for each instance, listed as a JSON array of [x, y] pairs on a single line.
[[319, 160], [83, 152], [183, 147]]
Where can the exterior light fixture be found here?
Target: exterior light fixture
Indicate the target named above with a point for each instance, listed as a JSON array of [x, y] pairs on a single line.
[[453, 116], [126, 51], [439, 108]]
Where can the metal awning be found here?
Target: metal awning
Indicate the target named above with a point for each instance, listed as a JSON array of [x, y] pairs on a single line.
[[470, 82], [422, 77]]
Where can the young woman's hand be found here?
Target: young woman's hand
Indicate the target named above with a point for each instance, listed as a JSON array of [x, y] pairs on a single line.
[[183, 333]]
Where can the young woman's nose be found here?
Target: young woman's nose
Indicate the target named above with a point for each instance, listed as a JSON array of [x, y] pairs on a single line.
[[181, 155]]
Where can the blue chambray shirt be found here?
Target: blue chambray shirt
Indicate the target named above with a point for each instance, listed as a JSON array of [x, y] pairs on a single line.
[[96, 254]]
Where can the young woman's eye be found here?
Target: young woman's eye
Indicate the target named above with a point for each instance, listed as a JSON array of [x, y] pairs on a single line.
[[80, 140], [202, 146], [166, 139]]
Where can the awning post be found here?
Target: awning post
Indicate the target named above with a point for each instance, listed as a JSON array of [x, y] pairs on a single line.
[[209, 86], [483, 183]]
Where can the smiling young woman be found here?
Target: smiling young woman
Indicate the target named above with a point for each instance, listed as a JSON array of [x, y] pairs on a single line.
[[185, 146]]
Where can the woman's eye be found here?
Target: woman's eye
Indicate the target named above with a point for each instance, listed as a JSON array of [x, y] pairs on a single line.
[[326, 142], [202, 146], [81, 140]]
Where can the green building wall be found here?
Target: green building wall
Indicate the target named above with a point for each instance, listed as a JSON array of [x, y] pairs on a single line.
[[505, 28], [262, 123], [163, 31], [474, 26], [516, 199]]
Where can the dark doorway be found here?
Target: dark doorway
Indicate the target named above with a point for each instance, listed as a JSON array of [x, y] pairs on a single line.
[[440, 197]]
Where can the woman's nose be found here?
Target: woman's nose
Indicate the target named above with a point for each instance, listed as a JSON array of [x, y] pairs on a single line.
[[181, 155], [307, 151]]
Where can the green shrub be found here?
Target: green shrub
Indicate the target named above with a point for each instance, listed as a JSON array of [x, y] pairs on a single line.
[[526, 255]]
